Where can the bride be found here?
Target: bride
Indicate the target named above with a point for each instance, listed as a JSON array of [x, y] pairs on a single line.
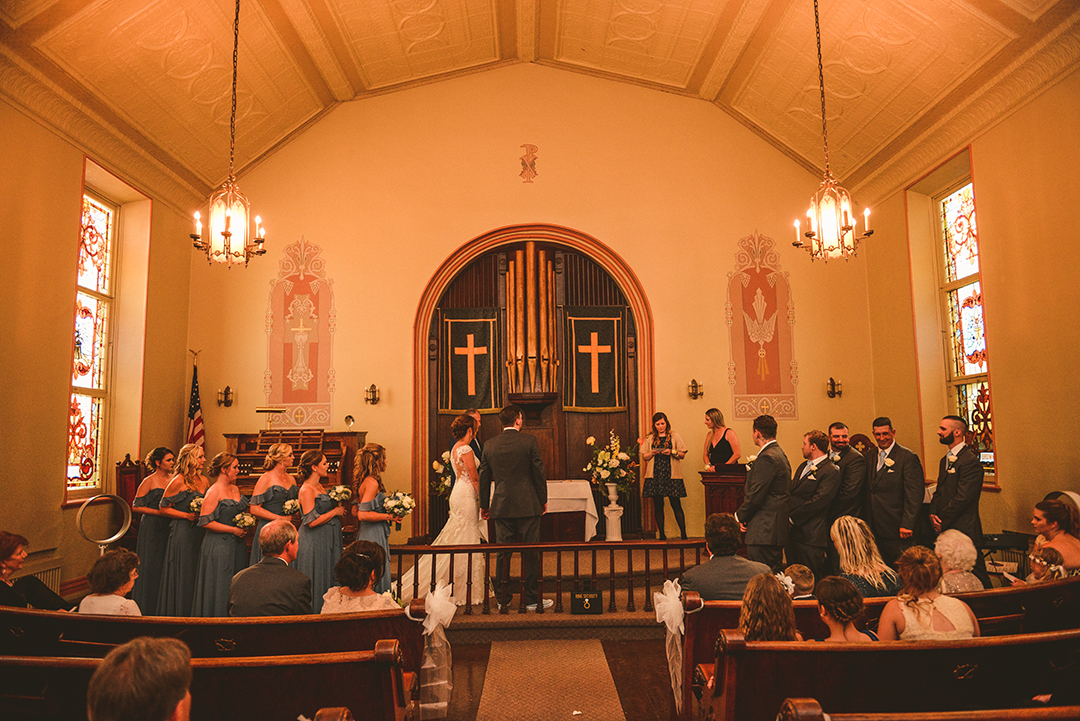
[[463, 526]]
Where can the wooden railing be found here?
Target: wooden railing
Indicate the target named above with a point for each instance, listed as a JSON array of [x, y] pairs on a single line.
[[590, 562]]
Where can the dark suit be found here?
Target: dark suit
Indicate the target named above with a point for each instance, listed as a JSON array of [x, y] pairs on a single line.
[[808, 508], [722, 578], [853, 473], [764, 508], [512, 460], [895, 498], [956, 500], [270, 588]]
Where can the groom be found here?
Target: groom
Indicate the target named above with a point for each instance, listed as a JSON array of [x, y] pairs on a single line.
[[512, 460]]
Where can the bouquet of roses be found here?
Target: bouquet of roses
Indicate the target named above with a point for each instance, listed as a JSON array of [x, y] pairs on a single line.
[[244, 520], [340, 493], [444, 476], [399, 504], [611, 464], [290, 507], [195, 507]]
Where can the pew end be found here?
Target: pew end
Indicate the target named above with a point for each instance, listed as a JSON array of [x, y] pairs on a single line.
[[808, 709]]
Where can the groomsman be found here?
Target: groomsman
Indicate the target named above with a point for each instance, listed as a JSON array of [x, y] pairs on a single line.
[[897, 487], [763, 514], [853, 478], [960, 479], [813, 489]]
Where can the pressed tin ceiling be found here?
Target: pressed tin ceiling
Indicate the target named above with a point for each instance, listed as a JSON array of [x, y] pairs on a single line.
[[147, 83]]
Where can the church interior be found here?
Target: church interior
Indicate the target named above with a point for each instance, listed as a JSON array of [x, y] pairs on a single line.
[[392, 147]]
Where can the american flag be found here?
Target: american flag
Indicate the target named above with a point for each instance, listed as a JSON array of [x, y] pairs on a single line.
[[194, 414]]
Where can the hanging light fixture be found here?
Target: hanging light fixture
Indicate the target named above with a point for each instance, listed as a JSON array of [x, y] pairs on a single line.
[[232, 237], [831, 225]]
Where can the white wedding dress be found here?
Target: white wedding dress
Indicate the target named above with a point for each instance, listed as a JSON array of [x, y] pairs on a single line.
[[463, 527]]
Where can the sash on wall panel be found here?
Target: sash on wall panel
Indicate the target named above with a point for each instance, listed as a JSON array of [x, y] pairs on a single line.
[[468, 360], [596, 356]]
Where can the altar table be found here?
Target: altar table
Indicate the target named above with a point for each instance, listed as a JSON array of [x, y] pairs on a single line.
[[571, 513]]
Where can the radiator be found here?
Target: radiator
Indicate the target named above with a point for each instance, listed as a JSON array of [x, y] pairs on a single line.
[[50, 577]]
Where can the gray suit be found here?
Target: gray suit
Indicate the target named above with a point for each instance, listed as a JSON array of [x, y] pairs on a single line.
[[512, 460], [956, 500], [808, 508], [764, 508], [896, 495], [849, 497], [722, 578], [270, 588]]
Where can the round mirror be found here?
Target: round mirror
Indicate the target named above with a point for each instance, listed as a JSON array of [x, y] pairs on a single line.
[[103, 543]]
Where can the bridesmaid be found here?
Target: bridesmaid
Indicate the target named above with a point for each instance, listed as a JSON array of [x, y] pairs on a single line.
[[320, 528], [154, 529], [271, 491], [223, 552], [185, 538], [368, 500], [721, 443]]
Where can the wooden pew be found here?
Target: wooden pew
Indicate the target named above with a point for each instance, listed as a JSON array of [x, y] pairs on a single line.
[[752, 679], [808, 709], [268, 688]]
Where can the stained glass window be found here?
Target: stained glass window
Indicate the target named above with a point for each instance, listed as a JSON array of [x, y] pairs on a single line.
[[90, 348], [966, 347]]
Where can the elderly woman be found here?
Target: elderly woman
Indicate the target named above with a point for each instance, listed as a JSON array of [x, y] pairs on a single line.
[[957, 555], [28, 591], [1058, 526], [767, 613], [841, 605], [860, 560], [920, 612], [358, 570], [111, 579], [271, 491]]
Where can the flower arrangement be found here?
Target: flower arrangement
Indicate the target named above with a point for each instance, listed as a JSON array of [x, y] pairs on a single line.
[[399, 504], [339, 493], [244, 520], [611, 464], [290, 507], [443, 481], [196, 505]]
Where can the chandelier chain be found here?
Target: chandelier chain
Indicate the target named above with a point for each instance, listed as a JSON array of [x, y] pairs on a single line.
[[821, 85], [232, 117]]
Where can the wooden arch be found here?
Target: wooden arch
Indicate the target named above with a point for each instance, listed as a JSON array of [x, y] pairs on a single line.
[[601, 254]]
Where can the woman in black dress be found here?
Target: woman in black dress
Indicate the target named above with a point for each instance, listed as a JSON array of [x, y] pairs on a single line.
[[661, 452], [27, 591], [721, 443]]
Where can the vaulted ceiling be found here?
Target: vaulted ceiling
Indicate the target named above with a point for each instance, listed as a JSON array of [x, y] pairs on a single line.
[[905, 79]]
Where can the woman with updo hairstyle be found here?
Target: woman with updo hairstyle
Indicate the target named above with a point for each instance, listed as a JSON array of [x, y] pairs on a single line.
[[271, 491], [224, 553], [153, 528], [841, 606], [920, 612], [767, 613], [111, 579], [185, 537], [957, 555], [1058, 525], [320, 527], [360, 566], [27, 591], [368, 498]]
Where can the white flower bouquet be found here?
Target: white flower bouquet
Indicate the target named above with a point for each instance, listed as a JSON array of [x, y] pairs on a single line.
[[196, 505], [339, 493], [291, 507], [443, 481], [611, 464], [399, 504], [244, 520]]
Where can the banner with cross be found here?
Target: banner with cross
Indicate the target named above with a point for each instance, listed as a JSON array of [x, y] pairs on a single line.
[[596, 359], [469, 374]]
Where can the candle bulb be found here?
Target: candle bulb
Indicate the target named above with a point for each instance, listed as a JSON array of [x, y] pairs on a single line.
[[866, 220], [228, 220], [798, 235], [198, 223]]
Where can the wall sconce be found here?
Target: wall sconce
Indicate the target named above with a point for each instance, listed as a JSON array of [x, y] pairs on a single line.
[[695, 389], [225, 397], [371, 395], [834, 388]]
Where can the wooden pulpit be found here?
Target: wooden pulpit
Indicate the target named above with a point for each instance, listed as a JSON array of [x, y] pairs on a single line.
[[724, 488]]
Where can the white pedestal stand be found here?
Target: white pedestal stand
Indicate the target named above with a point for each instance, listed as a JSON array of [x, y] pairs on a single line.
[[613, 513]]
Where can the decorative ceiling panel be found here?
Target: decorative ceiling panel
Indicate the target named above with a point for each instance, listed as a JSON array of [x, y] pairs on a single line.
[[1031, 9], [166, 67], [885, 64], [650, 40], [16, 12], [403, 40]]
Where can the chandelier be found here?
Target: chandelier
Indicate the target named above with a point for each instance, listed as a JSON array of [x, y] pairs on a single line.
[[232, 237], [831, 225]]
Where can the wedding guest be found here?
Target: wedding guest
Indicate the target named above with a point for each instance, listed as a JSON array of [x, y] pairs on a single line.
[[721, 443], [802, 578], [272, 587], [368, 497], [767, 613], [185, 537], [111, 579], [320, 527], [153, 529], [358, 569], [1046, 565], [661, 452], [957, 555], [919, 612], [841, 606], [725, 575], [27, 591], [860, 561], [1058, 524], [271, 491], [223, 552], [146, 679]]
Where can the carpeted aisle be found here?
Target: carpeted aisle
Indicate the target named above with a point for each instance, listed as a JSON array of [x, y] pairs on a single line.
[[542, 680]]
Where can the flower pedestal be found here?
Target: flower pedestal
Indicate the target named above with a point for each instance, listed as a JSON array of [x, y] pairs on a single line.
[[613, 513]]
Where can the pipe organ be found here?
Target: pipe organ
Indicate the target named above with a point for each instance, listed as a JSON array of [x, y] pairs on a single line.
[[532, 357]]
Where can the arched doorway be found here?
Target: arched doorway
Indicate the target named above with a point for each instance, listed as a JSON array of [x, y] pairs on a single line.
[[424, 346]]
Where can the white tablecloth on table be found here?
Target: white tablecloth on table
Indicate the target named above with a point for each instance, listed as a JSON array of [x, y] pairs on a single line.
[[569, 496]]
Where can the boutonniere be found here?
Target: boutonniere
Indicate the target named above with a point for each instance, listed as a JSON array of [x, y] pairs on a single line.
[[835, 457], [889, 463], [750, 462], [949, 461], [812, 475]]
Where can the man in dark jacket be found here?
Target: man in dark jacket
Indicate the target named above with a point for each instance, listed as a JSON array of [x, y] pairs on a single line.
[[271, 587]]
